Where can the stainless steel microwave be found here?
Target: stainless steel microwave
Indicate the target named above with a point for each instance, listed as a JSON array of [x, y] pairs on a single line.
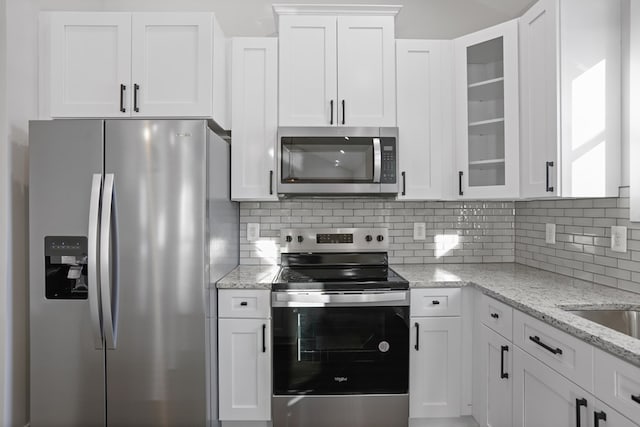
[[337, 161]]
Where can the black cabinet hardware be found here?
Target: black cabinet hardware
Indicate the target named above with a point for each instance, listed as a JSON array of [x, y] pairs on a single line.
[[136, 88], [579, 404], [549, 189], [331, 120], [404, 183], [244, 303], [270, 182], [122, 89], [504, 349], [635, 398], [417, 346], [435, 302], [536, 340], [343, 119], [495, 315], [460, 193], [264, 338], [597, 416]]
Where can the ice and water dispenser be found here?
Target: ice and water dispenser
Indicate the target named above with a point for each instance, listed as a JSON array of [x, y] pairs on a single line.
[[66, 267]]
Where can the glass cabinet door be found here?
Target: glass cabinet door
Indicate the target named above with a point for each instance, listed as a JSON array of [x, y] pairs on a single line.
[[487, 87]]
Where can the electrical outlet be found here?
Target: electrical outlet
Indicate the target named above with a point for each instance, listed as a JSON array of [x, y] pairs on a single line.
[[550, 234], [419, 231], [618, 238], [253, 231]]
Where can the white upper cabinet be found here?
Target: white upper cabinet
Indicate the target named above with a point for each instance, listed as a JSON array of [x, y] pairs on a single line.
[[336, 70], [486, 72], [425, 112], [172, 64], [570, 98], [308, 80], [254, 118], [105, 64], [90, 59]]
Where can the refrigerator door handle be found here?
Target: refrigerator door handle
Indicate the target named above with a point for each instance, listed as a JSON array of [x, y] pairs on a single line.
[[108, 263], [92, 261]]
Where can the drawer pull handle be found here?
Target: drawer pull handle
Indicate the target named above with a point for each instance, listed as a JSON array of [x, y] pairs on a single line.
[[536, 340], [579, 403], [495, 315], [122, 89], [417, 346], [264, 338], [597, 416], [635, 398], [435, 302], [136, 88], [244, 303], [504, 349]]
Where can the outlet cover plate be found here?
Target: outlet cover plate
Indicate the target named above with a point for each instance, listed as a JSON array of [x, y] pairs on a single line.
[[550, 234], [253, 231], [419, 231], [618, 238]]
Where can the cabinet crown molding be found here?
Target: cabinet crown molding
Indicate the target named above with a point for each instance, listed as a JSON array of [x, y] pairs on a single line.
[[335, 9]]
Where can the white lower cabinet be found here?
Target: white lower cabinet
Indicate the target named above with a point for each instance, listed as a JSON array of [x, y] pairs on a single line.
[[244, 356], [544, 398], [434, 366], [497, 360]]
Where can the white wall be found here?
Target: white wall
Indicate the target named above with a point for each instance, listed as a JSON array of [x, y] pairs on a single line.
[[634, 107], [3, 208]]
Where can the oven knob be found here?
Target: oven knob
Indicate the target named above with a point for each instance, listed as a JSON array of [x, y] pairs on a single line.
[[300, 239], [288, 239], [380, 238], [368, 238]]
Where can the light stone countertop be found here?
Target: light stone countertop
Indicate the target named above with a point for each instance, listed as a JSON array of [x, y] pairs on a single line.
[[538, 293]]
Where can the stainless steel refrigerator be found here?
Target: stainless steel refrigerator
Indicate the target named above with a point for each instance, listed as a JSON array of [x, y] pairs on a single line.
[[129, 221]]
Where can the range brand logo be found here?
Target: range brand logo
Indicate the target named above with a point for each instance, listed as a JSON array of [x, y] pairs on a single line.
[[340, 379]]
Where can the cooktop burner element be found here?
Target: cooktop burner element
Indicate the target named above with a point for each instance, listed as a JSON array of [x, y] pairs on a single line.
[[336, 260]]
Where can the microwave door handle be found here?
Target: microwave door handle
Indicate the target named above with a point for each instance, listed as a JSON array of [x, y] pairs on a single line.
[[377, 160]]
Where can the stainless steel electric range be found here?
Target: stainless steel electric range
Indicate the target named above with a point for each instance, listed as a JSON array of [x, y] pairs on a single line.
[[340, 331]]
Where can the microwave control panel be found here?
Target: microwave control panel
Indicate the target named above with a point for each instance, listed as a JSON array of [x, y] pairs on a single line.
[[388, 172]]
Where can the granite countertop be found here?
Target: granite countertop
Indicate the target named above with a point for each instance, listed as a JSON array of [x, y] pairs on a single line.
[[538, 293]]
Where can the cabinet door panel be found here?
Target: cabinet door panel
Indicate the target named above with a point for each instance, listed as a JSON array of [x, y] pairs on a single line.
[[366, 71], [434, 384], [544, 398], [538, 99], [423, 117], [308, 67], [90, 59], [172, 63], [487, 112], [254, 118], [245, 369], [499, 379]]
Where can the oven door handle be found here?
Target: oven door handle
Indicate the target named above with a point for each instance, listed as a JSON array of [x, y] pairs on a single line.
[[377, 160], [324, 299]]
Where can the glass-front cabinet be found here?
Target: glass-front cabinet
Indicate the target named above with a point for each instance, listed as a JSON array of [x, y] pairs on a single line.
[[487, 113]]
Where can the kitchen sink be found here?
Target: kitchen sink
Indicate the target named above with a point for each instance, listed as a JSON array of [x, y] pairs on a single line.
[[625, 321]]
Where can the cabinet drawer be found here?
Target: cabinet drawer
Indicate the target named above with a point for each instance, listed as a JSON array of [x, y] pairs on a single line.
[[568, 355], [436, 302], [617, 383], [243, 303], [497, 316]]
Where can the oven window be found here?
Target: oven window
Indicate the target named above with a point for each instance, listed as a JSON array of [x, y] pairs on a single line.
[[341, 350], [327, 160]]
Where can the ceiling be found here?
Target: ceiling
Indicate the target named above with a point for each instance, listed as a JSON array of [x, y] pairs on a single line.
[[428, 19]]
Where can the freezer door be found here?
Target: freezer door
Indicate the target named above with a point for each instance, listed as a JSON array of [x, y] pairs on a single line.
[[156, 371], [67, 363]]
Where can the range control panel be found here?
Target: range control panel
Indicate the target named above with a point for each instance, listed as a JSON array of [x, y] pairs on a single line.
[[334, 240]]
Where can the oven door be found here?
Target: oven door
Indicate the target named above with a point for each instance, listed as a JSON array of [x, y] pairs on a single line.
[[342, 344]]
